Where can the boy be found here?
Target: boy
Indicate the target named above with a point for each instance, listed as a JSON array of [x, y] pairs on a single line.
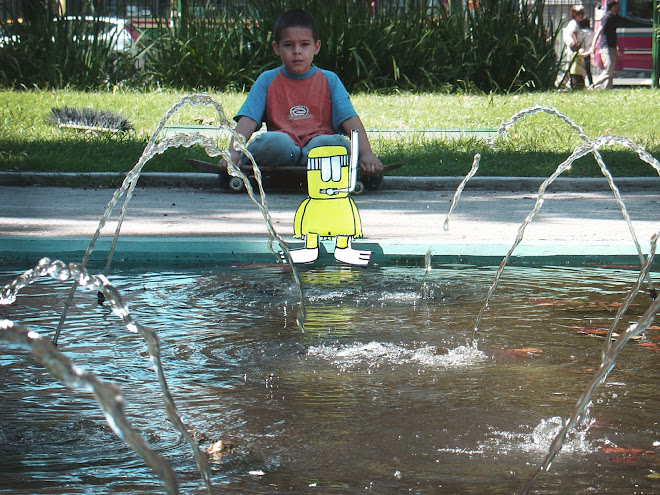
[[302, 106]]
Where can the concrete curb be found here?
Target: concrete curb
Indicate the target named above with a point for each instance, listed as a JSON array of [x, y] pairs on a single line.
[[27, 251], [210, 181]]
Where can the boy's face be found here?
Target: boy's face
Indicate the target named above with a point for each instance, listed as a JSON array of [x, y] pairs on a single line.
[[297, 49]]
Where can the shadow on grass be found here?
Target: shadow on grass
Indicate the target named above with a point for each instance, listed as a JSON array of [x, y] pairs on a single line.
[[85, 153]]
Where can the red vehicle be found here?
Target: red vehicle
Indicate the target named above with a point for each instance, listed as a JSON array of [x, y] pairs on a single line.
[[634, 34]]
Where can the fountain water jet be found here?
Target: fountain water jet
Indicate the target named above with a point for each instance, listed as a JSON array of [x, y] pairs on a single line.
[[590, 146], [156, 146], [108, 396], [608, 361]]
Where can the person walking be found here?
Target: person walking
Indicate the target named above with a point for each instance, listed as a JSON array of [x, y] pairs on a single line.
[[609, 44], [571, 39]]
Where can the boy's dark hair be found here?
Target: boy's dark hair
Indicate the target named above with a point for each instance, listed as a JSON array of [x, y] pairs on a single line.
[[611, 3], [295, 18]]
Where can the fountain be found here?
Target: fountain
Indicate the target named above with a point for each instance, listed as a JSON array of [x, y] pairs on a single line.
[[321, 335]]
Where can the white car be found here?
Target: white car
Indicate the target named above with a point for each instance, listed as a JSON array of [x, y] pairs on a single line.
[[113, 30], [116, 32]]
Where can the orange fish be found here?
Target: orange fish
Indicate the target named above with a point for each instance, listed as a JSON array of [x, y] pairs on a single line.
[[649, 345], [549, 302], [599, 331], [626, 455]]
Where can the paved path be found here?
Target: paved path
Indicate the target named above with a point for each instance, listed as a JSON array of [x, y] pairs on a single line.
[[485, 221], [415, 216]]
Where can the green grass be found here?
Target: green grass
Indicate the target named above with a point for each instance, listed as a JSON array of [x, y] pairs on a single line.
[[532, 147]]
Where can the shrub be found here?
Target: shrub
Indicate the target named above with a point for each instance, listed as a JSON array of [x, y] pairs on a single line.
[[500, 45], [56, 53]]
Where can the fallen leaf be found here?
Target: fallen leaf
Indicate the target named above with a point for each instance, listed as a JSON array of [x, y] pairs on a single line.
[[601, 304], [627, 455], [527, 351], [626, 450], [219, 449]]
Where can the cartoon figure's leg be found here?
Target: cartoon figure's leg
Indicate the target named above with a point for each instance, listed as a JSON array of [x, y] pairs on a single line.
[[346, 254], [309, 253]]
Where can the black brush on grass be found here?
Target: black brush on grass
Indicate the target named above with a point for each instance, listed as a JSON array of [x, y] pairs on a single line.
[[88, 119]]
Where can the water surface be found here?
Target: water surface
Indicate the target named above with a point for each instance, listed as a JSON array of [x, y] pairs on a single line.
[[380, 394]]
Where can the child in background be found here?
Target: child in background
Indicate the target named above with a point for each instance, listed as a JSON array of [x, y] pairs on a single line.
[[587, 36], [576, 69], [303, 106]]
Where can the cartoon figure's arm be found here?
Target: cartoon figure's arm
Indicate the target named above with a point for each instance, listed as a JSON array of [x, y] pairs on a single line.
[[298, 219]]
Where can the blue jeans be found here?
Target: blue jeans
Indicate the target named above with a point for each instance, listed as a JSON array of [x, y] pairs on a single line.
[[277, 149]]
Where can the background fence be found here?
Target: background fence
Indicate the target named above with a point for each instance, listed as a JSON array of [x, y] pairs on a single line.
[[143, 11]]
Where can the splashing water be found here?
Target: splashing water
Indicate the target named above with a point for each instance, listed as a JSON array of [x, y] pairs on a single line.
[[377, 354], [610, 355], [610, 351], [424, 291], [107, 395]]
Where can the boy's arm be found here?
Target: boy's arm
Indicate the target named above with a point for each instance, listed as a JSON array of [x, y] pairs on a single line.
[[368, 161], [245, 127]]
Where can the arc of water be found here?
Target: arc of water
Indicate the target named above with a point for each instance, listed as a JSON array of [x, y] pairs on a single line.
[[107, 395], [622, 206], [157, 147], [579, 152], [77, 272], [608, 362], [131, 181], [628, 300], [504, 127], [459, 189], [601, 164], [519, 236], [263, 208], [592, 147]]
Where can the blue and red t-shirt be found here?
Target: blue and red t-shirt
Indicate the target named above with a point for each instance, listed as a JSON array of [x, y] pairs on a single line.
[[303, 106]]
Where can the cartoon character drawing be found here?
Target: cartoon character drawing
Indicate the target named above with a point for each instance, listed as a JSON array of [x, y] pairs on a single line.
[[329, 211]]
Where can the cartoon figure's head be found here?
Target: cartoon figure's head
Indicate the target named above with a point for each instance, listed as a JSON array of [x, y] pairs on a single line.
[[328, 172]]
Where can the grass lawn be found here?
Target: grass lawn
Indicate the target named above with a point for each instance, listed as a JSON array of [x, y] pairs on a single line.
[[532, 147]]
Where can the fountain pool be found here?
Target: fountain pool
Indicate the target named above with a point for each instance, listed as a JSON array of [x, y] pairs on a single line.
[[379, 394]]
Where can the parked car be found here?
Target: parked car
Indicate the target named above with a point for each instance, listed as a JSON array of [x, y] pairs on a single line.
[[115, 31]]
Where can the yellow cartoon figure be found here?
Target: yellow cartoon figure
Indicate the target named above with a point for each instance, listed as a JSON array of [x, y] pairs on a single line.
[[329, 212]]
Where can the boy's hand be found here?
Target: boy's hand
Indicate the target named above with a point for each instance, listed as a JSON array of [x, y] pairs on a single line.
[[235, 158], [370, 163]]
